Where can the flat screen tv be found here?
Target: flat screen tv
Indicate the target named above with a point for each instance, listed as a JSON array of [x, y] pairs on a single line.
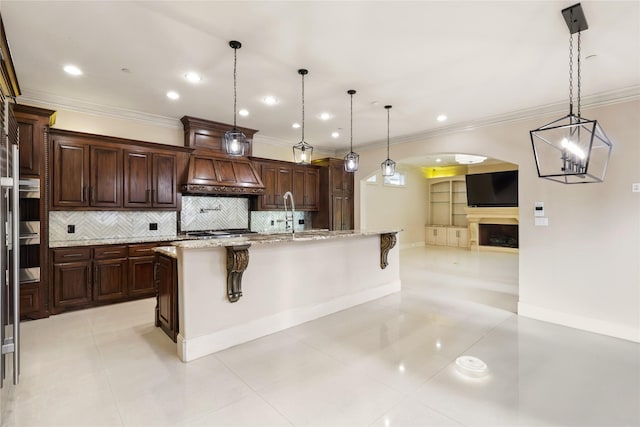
[[492, 189]]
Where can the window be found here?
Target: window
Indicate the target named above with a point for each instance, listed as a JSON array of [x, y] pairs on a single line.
[[395, 180], [372, 179]]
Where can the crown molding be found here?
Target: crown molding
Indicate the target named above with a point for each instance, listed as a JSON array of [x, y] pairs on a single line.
[[617, 96], [53, 101]]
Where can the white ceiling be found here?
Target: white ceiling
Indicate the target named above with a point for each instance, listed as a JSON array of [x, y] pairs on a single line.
[[472, 60]]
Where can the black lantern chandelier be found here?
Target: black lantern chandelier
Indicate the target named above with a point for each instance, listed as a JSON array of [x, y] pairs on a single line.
[[234, 140], [302, 151], [388, 166], [572, 149], [351, 160]]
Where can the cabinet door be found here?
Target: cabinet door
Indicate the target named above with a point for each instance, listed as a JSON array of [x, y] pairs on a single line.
[[110, 279], [137, 179], [311, 188], [269, 175], [347, 212], [165, 176], [285, 183], [431, 234], [106, 177], [463, 240], [30, 133], [70, 174], [441, 236], [337, 177], [299, 187], [452, 237], [167, 304], [141, 281], [71, 284]]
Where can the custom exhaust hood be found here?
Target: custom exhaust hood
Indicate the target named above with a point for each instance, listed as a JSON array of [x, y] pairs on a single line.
[[211, 171]]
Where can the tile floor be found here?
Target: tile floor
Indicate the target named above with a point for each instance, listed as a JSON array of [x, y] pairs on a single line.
[[385, 363]]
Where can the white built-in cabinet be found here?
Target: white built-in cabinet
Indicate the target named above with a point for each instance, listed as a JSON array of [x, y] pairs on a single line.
[[447, 216]]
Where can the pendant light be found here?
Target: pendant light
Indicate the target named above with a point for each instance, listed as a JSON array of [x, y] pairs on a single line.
[[351, 160], [388, 166], [234, 140], [572, 149], [302, 151]]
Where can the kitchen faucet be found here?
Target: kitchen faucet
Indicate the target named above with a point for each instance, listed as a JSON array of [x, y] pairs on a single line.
[[289, 220]]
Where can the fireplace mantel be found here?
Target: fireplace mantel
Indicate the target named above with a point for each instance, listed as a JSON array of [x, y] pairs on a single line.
[[476, 216]]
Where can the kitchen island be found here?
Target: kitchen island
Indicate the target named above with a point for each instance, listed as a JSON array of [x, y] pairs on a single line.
[[234, 290]]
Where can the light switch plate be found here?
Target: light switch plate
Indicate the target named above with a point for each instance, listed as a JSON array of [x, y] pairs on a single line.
[[635, 187]]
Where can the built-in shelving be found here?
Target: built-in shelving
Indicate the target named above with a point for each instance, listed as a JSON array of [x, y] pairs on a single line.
[[447, 200]]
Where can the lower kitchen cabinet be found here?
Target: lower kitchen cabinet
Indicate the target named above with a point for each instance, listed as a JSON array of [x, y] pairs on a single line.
[[89, 276], [166, 276], [141, 281]]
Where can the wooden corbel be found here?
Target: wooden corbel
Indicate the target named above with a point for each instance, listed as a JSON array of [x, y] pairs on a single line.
[[237, 262], [387, 242]]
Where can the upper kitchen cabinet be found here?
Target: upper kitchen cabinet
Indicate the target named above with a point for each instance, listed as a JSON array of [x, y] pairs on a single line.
[[85, 175], [100, 172], [279, 177], [32, 124], [205, 135], [335, 202], [150, 180]]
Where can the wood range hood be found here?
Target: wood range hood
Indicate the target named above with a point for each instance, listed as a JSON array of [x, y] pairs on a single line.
[[211, 171]]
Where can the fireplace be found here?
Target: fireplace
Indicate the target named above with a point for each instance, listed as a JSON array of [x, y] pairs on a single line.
[[499, 235]]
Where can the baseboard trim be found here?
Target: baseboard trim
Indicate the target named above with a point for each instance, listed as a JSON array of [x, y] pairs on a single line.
[[197, 347], [579, 322]]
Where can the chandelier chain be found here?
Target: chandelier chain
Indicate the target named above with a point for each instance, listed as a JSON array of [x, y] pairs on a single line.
[[235, 60], [571, 74], [351, 128], [387, 133], [579, 54], [302, 107]]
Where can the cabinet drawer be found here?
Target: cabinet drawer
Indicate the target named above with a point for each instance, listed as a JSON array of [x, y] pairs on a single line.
[[71, 254], [143, 249], [107, 252]]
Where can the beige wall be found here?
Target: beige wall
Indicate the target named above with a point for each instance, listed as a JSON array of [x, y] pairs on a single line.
[[405, 208], [583, 270]]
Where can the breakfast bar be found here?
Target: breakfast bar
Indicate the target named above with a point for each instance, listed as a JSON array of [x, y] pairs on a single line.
[[234, 290]]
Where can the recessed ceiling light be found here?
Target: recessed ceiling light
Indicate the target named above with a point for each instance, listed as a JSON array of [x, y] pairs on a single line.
[[295, 125], [73, 70], [173, 95], [438, 160], [193, 77], [270, 100], [243, 112], [469, 159], [441, 118], [335, 134], [325, 116]]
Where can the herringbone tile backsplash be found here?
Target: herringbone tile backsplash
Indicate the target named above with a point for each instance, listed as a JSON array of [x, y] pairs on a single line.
[[110, 224], [213, 213]]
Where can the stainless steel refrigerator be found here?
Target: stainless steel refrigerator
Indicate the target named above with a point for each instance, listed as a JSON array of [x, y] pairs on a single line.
[[10, 253]]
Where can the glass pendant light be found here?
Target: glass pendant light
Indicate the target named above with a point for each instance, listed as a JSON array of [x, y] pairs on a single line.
[[302, 151], [234, 140], [351, 160], [388, 166], [572, 149]]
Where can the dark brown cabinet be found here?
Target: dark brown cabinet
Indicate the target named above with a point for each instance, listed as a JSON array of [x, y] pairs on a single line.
[[105, 185], [71, 277], [89, 276], [335, 203], [150, 180], [279, 177], [70, 174], [32, 123], [110, 273], [141, 280], [84, 175], [166, 277]]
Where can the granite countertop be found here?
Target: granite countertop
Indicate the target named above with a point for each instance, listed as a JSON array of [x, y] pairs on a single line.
[[114, 241], [167, 250], [268, 238], [184, 241]]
